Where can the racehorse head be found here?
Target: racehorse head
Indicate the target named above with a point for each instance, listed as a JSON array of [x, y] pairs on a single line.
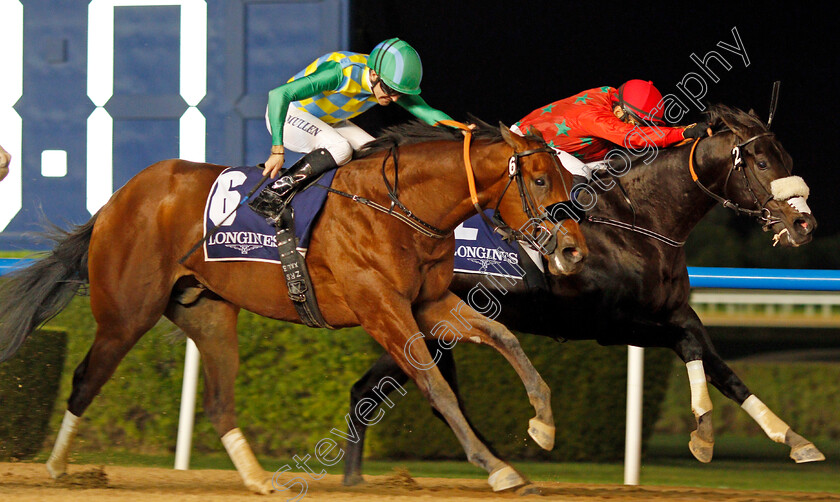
[[541, 209], [759, 180]]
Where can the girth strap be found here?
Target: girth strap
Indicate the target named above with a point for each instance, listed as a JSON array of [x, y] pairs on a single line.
[[296, 274]]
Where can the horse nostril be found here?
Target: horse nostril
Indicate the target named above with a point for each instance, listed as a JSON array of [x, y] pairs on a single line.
[[803, 226], [572, 254]]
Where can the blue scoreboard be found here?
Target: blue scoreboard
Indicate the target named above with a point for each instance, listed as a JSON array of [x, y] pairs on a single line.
[[95, 91]]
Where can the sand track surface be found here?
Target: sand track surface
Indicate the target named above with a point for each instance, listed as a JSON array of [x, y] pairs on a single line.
[[21, 482]]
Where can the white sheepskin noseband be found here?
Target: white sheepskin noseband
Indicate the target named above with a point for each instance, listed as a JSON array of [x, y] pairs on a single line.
[[793, 190]]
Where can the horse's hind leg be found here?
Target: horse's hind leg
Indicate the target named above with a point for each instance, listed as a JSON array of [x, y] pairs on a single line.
[[382, 379], [376, 384], [211, 323], [109, 347]]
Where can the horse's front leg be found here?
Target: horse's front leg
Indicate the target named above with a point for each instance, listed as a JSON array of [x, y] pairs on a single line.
[[376, 385], [389, 321], [691, 351], [452, 320], [730, 385]]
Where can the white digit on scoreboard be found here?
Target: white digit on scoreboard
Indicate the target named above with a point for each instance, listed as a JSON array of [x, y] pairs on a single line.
[[100, 78]]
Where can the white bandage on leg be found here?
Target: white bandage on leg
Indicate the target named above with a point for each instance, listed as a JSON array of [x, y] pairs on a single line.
[[701, 403], [243, 457], [57, 463], [775, 428]]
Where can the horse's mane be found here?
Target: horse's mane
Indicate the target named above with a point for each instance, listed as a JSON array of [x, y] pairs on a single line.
[[719, 116], [417, 131]]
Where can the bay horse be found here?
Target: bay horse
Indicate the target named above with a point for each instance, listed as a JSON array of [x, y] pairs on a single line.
[[369, 269], [635, 288]]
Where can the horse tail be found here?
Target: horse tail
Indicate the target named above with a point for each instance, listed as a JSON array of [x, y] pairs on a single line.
[[31, 296]]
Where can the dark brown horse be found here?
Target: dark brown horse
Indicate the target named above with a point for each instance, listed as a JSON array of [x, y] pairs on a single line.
[[634, 289], [368, 268]]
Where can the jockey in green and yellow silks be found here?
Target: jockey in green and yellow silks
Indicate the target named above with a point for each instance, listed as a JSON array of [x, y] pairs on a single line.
[[312, 110]]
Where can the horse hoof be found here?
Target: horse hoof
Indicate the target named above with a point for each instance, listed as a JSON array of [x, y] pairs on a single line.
[[505, 479], [264, 487], [541, 433], [806, 453], [353, 480], [700, 448], [56, 471], [528, 489]]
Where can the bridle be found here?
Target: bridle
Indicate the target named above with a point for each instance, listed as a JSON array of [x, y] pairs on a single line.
[[529, 207], [761, 212], [545, 244]]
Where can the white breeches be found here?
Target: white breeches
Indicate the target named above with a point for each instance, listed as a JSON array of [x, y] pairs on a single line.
[[303, 132]]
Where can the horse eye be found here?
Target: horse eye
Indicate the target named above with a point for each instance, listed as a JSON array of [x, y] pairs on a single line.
[[762, 164], [540, 182]]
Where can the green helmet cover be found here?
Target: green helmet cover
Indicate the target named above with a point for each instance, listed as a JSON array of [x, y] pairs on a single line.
[[398, 65]]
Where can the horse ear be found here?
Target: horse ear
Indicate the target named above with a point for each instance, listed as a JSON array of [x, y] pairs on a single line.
[[513, 140], [752, 113]]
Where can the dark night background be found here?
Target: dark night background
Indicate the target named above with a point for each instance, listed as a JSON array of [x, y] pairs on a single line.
[[500, 60]]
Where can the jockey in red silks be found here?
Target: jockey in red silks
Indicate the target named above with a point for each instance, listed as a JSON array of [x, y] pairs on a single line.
[[587, 126]]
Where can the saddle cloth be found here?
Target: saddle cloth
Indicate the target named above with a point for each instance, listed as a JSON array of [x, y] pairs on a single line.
[[245, 235], [480, 250]]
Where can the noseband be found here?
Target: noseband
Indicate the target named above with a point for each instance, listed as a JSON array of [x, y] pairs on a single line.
[[761, 213]]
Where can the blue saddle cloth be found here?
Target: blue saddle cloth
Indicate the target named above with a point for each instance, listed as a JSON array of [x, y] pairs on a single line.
[[247, 236], [480, 250]]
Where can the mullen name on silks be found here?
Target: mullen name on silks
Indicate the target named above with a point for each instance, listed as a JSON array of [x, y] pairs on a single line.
[[486, 254], [303, 125], [242, 238]]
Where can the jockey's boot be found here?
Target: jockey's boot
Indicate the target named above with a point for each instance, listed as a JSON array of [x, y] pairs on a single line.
[[273, 199], [302, 172]]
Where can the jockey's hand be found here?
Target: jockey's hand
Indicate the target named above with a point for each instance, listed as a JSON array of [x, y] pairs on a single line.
[[274, 162], [5, 158], [698, 130]]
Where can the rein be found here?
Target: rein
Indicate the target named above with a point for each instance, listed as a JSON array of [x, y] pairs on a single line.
[[638, 230], [514, 171], [762, 213], [409, 219]]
